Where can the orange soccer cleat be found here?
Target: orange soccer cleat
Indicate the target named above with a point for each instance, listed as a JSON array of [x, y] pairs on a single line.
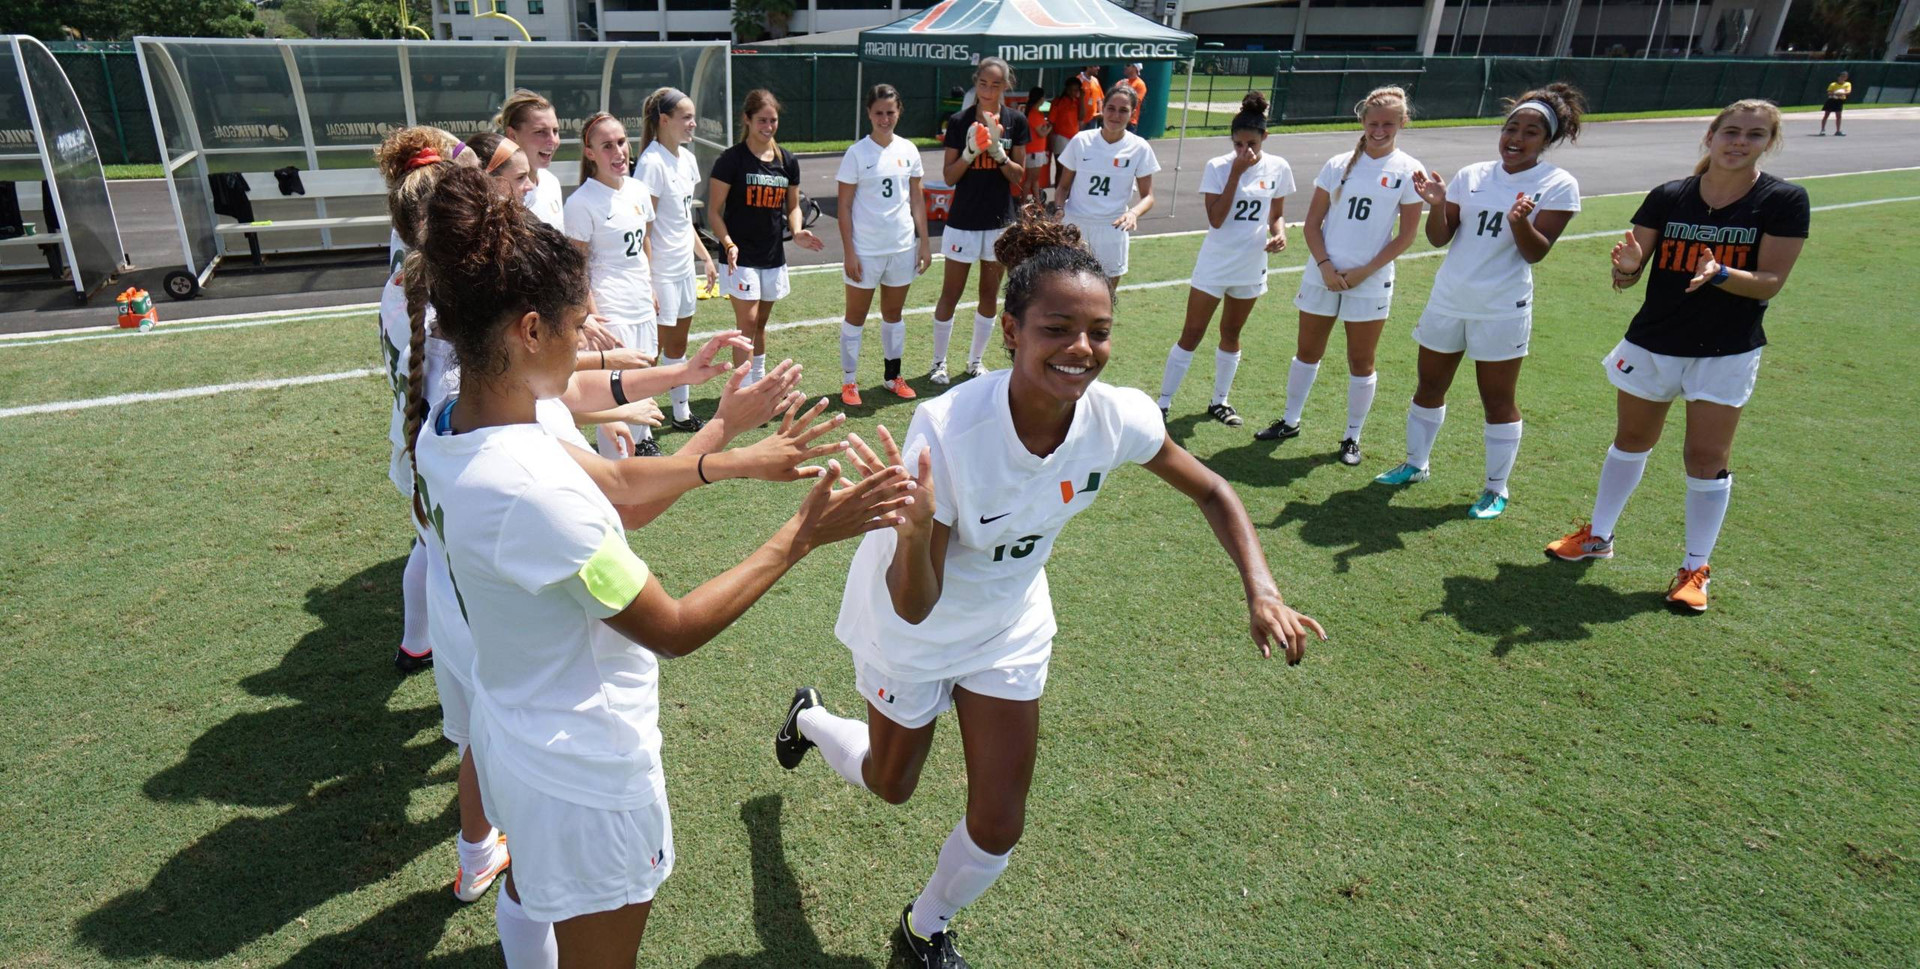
[[900, 389], [850, 395], [1689, 588], [1580, 544]]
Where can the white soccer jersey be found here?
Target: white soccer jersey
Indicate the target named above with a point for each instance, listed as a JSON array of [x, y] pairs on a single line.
[[882, 208], [1005, 506], [543, 199], [446, 625], [1104, 172], [672, 179], [613, 224], [396, 251], [537, 559], [1367, 212], [1236, 251], [1484, 276], [396, 341]]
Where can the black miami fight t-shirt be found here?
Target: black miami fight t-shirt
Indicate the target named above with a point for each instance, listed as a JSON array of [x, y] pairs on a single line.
[[1709, 322], [984, 198], [756, 211]]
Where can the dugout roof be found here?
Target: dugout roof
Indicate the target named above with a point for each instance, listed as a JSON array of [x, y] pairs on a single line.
[[1029, 33], [44, 137], [247, 105]]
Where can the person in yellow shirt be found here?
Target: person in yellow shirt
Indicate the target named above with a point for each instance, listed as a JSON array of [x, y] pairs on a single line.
[[1837, 94], [1132, 80]]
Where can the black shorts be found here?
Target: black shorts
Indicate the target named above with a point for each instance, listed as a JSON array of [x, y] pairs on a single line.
[[1833, 105]]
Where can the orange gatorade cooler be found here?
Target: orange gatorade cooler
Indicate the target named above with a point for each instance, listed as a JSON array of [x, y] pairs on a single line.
[[136, 309]]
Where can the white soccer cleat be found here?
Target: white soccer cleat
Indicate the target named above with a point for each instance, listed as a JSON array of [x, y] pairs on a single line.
[[469, 886]]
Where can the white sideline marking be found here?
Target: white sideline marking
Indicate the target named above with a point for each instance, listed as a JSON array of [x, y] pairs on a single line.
[[208, 391], [110, 331], [213, 389]]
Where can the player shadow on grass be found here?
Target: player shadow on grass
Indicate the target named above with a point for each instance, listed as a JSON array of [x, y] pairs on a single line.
[[404, 934], [1255, 463], [1364, 520], [786, 940], [330, 753], [1544, 602]]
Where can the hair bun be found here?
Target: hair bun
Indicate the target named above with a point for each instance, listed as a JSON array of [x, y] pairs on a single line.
[[1032, 233], [1254, 102]]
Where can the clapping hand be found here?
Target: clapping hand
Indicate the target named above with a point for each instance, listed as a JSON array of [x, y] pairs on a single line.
[[1431, 188]]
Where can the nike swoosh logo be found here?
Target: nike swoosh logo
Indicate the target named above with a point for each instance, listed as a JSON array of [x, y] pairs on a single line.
[[985, 520]]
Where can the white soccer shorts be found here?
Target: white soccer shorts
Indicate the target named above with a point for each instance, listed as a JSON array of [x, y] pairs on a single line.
[[1653, 376], [1488, 340]]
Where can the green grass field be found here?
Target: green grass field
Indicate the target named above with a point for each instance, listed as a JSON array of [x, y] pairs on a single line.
[[1497, 760]]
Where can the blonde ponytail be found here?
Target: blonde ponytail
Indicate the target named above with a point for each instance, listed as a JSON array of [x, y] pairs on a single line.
[[1389, 96]]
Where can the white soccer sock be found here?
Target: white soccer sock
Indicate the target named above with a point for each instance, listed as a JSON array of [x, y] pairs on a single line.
[[1423, 427], [1359, 403], [606, 445], [982, 332], [758, 371], [965, 871], [1299, 384], [1707, 500], [1178, 360], [1503, 446], [942, 335], [842, 742], [893, 339], [680, 394], [478, 857], [527, 944], [1225, 365], [641, 432], [850, 351], [1618, 477], [413, 602]]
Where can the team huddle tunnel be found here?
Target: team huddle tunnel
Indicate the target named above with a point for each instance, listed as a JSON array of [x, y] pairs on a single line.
[[44, 139], [287, 129]]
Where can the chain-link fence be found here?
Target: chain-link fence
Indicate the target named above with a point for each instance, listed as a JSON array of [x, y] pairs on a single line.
[[822, 96], [1316, 87], [106, 79]]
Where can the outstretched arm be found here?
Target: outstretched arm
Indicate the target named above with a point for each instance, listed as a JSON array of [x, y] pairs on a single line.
[[1272, 620]]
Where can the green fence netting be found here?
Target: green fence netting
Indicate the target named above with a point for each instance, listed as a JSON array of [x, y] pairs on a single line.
[[822, 96]]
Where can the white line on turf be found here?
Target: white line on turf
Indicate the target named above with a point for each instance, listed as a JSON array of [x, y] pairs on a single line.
[[211, 390], [208, 391], [109, 332]]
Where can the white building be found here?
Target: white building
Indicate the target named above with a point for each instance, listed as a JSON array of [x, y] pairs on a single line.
[[643, 19]]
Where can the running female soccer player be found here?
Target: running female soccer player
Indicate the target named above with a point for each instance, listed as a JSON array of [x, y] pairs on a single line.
[[565, 716], [1353, 241], [1499, 217], [608, 218], [986, 149], [754, 200], [672, 177], [884, 235], [411, 161], [1721, 244], [951, 607], [1245, 191], [1097, 178]]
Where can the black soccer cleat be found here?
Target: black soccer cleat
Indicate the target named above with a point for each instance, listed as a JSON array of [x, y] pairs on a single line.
[[1350, 452], [407, 662], [691, 424], [1277, 431], [644, 447], [1225, 414], [929, 953], [788, 746]]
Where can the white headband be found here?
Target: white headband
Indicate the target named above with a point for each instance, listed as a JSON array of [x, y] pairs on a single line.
[[1546, 111]]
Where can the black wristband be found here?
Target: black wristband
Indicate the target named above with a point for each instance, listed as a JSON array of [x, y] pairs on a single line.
[[603, 359], [700, 466], [1324, 261], [619, 392]]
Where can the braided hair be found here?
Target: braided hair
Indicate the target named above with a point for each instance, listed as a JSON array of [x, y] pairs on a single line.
[[1390, 96]]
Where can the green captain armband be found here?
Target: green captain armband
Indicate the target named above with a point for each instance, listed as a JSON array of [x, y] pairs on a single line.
[[614, 575]]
